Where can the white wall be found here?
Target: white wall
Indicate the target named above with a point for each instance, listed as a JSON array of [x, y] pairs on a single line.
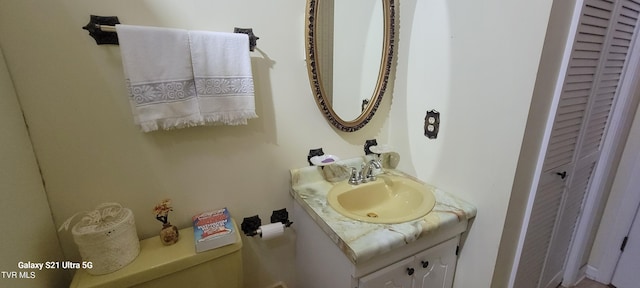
[[26, 224], [620, 209], [76, 105], [476, 63]]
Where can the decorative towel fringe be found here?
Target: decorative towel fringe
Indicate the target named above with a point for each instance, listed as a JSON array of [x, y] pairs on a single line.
[[171, 123], [231, 118], [235, 118]]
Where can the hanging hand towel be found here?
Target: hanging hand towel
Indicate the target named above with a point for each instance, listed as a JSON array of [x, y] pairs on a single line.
[[157, 66], [223, 78]]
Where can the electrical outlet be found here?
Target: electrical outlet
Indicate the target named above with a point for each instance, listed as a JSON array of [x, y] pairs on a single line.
[[432, 124]]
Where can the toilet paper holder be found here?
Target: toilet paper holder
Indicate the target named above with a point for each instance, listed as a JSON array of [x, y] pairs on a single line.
[[251, 225]]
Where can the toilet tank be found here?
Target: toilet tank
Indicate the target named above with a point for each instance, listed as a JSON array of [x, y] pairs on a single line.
[[173, 266]]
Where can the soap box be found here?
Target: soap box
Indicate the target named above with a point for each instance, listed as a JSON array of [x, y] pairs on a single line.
[[213, 229]]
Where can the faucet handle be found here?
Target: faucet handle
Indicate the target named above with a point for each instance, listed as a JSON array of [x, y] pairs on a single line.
[[370, 176], [355, 177]]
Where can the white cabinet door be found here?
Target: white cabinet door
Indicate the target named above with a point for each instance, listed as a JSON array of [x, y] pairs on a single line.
[[398, 275], [435, 267], [431, 268]]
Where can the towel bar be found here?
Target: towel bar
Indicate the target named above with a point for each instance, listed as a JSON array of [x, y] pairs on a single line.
[[106, 28], [102, 29]]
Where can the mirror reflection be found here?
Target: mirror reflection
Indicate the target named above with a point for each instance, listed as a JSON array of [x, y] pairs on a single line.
[[349, 55], [349, 45]]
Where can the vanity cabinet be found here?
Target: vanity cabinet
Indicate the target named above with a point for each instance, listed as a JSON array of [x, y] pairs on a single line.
[[395, 275], [426, 262], [431, 268]]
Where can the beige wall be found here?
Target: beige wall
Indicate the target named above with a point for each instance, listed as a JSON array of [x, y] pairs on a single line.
[[474, 61], [26, 224], [75, 102]]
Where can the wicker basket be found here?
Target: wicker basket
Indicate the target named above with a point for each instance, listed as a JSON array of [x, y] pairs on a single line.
[[106, 237]]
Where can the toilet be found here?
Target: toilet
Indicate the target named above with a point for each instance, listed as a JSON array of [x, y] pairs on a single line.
[[173, 266]]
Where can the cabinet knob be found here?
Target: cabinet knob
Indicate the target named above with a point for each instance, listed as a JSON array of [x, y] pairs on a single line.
[[410, 271], [425, 264], [562, 174]]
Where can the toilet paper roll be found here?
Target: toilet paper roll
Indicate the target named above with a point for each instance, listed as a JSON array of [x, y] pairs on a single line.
[[271, 231]]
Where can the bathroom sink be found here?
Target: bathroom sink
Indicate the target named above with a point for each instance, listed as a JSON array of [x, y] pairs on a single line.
[[389, 199]]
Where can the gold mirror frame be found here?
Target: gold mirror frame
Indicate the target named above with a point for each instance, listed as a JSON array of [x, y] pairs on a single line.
[[315, 78]]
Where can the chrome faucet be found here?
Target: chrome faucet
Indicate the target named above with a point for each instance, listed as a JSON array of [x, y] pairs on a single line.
[[366, 173]]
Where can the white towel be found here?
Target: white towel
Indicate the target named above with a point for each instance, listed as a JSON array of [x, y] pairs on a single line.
[[223, 78], [157, 65]]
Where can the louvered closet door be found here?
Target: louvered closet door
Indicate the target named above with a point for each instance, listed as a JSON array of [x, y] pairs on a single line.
[[595, 69], [589, 152], [563, 143], [572, 205], [544, 214]]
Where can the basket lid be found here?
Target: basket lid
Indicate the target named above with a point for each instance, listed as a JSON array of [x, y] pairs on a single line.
[[104, 217]]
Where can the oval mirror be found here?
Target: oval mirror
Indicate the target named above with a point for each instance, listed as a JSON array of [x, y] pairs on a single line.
[[349, 48]]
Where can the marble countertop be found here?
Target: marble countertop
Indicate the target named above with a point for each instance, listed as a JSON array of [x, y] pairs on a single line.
[[361, 241]]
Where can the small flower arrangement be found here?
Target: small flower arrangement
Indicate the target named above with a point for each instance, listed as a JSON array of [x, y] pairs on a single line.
[[162, 211], [169, 234]]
